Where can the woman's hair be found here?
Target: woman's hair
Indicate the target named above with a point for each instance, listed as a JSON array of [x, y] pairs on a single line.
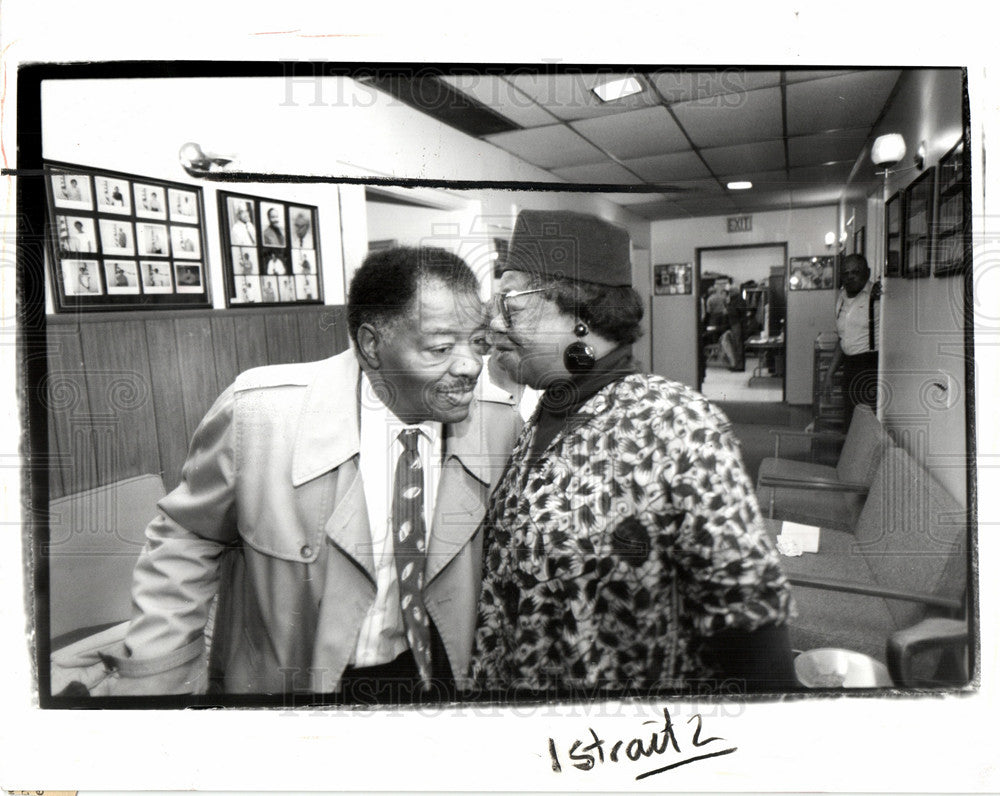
[[614, 312]]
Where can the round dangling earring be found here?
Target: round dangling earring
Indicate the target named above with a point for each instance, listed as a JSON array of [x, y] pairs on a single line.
[[579, 357]]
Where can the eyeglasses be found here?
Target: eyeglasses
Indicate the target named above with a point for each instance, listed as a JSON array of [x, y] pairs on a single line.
[[503, 298]]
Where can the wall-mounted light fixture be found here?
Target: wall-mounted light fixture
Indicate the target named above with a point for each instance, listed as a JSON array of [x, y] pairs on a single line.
[[918, 159], [197, 162], [829, 239], [888, 150]]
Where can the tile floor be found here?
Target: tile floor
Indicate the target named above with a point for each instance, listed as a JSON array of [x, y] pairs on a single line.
[[722, 384]]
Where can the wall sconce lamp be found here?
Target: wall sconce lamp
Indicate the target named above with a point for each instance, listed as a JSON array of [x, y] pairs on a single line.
[[888, 150], [197, 162], [918, 159], [829, 239]]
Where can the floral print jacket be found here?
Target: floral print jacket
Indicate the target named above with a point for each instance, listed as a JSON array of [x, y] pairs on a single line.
[[632, 537]]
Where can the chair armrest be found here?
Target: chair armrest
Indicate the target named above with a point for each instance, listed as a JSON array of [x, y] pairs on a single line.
[[873, 590], [931, 633], [823, 485], [778, 433]]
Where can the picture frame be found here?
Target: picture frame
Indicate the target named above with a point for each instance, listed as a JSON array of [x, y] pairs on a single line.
[[271, 251], [918, 226], [893, 236], [114, 244], [673, 279], [953, 231], [812, 273]]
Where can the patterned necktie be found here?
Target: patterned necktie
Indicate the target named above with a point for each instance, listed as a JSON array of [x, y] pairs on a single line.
[[409, 546]]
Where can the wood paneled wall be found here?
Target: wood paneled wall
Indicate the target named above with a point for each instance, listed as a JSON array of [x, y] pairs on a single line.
[[125, 391]]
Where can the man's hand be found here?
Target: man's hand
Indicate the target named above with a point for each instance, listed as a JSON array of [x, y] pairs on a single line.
[[876, 290]]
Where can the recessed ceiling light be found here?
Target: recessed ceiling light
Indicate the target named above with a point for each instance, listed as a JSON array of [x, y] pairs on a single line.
[[617, 89], [740, 185]]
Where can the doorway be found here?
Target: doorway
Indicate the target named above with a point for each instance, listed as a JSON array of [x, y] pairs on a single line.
[[741, 322]]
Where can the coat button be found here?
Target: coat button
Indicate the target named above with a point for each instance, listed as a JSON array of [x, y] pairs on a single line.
[[306, 551]]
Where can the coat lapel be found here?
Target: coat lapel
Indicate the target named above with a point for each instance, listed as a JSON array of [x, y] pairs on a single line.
[[348, 524]]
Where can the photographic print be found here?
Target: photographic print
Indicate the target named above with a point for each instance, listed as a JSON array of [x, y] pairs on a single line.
[[269, 289], [150, 201], [188, 278], [240, 222], [153, 239], [245, 261], [274, 264], [183, 206], [272, 221], [116, 236], [918, 208], [672, 279], [301, 227], [811, 273], [305, 288], [156, 276], [247, 290], [113, 195], [185, 242], [81, 277], [71, 191], [121, 277], [303, 261], [953, 230], [76, 234]]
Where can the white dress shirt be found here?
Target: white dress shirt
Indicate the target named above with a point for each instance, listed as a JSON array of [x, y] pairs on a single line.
[[852, 321], [383, 636]]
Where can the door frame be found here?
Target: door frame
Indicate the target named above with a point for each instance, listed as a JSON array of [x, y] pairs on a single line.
[[783, 245]]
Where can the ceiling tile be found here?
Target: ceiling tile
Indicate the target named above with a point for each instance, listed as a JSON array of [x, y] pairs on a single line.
[[629, 199], [729, 119], [745, 159], [667, 168], [757, 201], [554, 146], [607, 173], [684, 85], [845, 102], [836, 145], [834, 174], [654, 211], [634, 134], [569, 95], [496, 93]]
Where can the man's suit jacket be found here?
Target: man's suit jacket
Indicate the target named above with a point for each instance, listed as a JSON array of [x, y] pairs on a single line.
[[270, 514]]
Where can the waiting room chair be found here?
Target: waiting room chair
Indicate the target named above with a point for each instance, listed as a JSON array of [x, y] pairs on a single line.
[[819, 494], [95, 538], [904, 565]]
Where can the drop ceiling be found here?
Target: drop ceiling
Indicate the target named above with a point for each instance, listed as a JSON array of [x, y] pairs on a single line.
[[668, 151]]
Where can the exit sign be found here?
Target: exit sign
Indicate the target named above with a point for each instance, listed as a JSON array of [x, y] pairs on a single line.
[[739, 224]]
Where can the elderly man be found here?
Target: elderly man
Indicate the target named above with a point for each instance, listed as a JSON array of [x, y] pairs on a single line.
[[857, 326], [334, 507], [274, 235]]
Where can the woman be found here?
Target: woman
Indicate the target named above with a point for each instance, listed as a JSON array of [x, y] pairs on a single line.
[[625, 549]]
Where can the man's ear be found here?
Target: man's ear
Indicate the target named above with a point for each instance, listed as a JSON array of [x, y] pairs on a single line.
[[368, 340]]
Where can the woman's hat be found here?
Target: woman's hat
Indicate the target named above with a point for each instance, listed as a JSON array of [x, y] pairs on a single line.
[[568, 245]]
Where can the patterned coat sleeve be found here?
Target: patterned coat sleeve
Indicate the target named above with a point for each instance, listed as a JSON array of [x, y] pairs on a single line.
[[728, 570]]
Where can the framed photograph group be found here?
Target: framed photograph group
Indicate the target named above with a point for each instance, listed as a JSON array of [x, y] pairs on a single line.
[[270, 250], [918, 226], [894, 235], [673, 279], [953, 230], [123, 241]]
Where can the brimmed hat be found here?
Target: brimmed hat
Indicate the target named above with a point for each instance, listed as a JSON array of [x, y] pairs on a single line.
[[568, 245]]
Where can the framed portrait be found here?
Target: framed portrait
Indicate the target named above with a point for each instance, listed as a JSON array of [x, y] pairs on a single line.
[[121, 277], [271, 247], [71, 191], [183, 206], [859, 241], [273, 230], [673, 279], [113, 195], [893, 235], [812, 273], [188, 278], [918, 227], [953, 231], [113, 239], [151, 201], [116, 236]]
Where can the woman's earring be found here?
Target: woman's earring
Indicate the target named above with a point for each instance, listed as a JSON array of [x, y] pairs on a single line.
[[579, 357]]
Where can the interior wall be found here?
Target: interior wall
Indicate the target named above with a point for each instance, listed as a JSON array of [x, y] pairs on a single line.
[[809, 312], [743, 265], [923, 328]]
